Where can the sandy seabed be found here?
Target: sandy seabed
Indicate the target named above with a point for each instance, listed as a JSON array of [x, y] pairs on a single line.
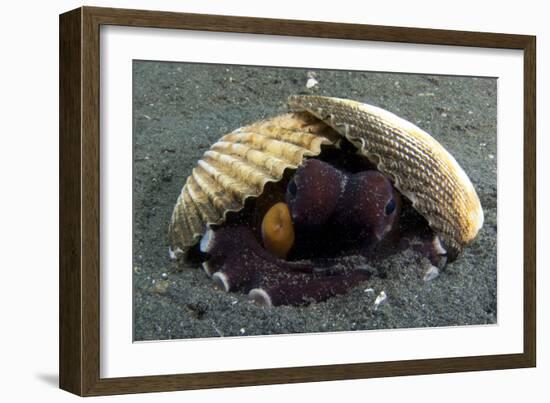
[[180, 109]]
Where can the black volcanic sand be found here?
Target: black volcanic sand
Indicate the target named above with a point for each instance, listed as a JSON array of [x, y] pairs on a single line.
[[181, 109]]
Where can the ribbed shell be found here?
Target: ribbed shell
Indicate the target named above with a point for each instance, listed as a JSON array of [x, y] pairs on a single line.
[[419, 166], [238, 166]]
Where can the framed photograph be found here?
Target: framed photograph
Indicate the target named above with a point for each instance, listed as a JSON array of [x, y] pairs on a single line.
[[249, 201]]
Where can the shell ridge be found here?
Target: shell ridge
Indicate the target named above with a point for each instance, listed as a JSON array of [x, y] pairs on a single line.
[[256, 157], [202, 202], [427, 153], [254, 176], [175, 231], [288, 152], [194, 221], [218, 198]]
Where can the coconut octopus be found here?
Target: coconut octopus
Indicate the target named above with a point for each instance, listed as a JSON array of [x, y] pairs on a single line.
[[271, 207]]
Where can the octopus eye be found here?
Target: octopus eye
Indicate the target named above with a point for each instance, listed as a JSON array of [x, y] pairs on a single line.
[[292, 189], [390, 207]]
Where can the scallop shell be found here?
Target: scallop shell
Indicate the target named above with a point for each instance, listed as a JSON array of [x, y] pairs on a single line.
[[240, 164], [419, 166]]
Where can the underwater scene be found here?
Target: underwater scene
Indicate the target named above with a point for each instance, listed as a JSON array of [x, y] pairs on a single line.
[[271, 200]]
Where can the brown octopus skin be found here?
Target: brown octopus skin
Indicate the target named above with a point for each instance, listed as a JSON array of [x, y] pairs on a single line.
[[238, 262]]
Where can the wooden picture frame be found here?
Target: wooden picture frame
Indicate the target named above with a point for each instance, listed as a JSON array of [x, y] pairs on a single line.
[[79, 346]]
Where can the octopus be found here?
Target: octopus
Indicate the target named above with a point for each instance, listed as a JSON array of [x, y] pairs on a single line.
[[272, 207]]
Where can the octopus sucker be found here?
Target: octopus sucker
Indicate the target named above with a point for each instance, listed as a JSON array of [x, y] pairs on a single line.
[[276, 203], [261, 297]]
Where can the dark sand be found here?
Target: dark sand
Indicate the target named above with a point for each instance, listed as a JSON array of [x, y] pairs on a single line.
[[181, 109]]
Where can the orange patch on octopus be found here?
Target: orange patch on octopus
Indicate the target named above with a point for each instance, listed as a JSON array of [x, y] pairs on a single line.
[[278, 230]]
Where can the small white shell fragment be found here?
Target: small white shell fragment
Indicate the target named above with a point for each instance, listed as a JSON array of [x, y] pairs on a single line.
[[369, 291], [218, 331], [311, 82], [380, 300], [174, 253], [430, 273]]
